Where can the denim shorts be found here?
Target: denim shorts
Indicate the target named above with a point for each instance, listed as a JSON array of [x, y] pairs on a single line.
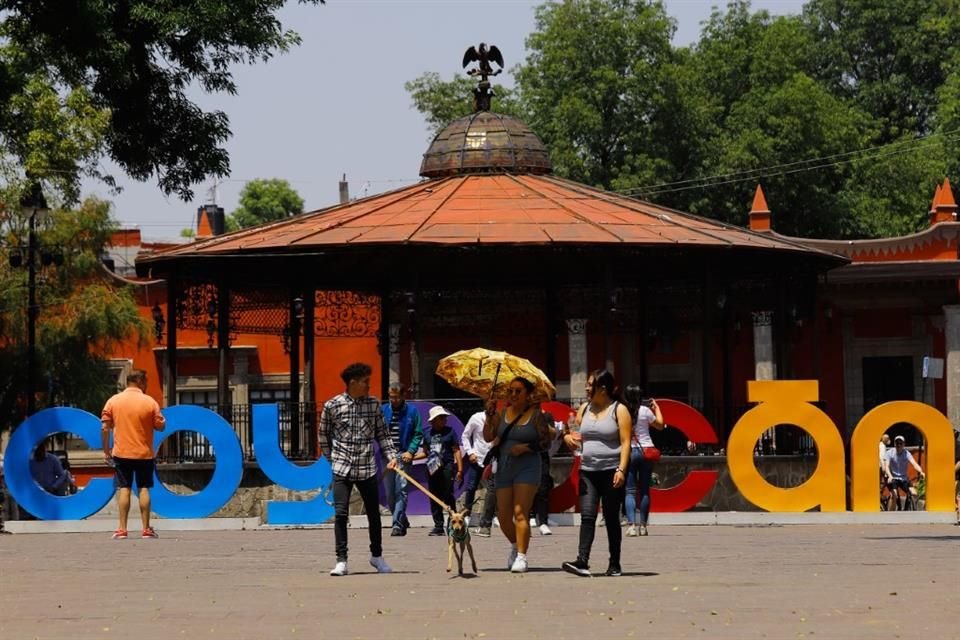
[[513, 470]]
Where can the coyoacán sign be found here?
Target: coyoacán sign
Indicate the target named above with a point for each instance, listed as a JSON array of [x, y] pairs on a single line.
[[779, 402]]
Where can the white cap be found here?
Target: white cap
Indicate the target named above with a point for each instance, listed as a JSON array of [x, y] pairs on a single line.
[[436, 412], [899, 439]]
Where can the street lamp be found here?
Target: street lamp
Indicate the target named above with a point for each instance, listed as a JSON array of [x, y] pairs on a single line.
[[33, 205]]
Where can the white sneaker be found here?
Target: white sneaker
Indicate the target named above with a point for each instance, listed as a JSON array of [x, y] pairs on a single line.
[[520, 564], [632, 531], [378, 563], [340, 569], [512, 557], [545, 530], [466, 520], [533, 522], [496, 522]]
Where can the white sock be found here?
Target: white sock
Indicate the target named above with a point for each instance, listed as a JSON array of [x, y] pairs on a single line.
[[521, 556]]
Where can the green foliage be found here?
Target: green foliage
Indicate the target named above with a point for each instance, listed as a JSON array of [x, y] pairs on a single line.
[[82, 314], [134, 60], [597, 83], [444, 101], [264, 200], [848, 114]]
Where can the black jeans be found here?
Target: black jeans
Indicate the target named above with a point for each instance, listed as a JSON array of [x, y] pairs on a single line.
[[596, 487], [541, 502], [440, 484], [369, 493]]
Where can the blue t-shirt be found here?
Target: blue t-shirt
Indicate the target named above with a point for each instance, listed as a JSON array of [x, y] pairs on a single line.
[[439, 445]]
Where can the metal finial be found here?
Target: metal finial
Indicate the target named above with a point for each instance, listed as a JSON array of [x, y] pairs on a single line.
[[484, 56]]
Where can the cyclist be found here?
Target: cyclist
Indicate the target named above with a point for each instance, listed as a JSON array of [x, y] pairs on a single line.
[[895, 468]]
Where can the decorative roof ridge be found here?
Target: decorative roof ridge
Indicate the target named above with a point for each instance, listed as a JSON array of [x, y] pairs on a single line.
[[631, 203], [849, 247]]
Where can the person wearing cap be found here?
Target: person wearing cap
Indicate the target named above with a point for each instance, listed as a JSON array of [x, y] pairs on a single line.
[[444, 459], [895, 468]]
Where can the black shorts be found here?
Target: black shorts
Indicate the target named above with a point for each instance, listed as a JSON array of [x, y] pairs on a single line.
[[897, 482], [128, 469]]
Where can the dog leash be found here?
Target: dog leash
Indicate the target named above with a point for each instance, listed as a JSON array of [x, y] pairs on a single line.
[[406, 475]]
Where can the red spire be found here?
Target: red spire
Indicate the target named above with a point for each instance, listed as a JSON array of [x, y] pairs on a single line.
[[759, 212], [936, 199], [944, 205]]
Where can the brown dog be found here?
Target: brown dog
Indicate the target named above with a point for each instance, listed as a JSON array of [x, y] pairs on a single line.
[[458, 537]]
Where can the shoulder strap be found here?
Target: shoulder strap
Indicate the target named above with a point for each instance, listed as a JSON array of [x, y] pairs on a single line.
[[506, 431]]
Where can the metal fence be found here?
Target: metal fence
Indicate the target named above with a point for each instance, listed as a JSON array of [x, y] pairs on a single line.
[[297, 429]]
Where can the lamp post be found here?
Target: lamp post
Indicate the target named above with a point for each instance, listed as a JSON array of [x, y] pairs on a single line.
[[33, 205]]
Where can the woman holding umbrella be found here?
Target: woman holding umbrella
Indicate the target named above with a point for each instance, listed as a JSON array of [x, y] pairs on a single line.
[[518, 433]]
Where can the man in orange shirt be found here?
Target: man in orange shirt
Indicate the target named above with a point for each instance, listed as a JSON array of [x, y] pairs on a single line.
[[132, 416]]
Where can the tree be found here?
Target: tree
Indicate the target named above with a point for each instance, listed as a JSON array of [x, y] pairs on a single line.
[[264, 200], [597, 85], [847, 138], [441, 101], [889, 56], [135, 59], [82, 314]]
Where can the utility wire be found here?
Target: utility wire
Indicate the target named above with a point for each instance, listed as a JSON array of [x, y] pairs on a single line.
[[798, 166]]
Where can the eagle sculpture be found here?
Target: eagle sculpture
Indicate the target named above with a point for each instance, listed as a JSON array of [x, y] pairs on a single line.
[[484, 56]]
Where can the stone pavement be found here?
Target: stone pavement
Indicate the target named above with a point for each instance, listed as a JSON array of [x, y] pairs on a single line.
[[802, 581]]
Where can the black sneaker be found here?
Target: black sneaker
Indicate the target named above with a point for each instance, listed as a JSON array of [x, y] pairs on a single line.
[[397, 531], [436, 531], [577, 568], [613, 570]]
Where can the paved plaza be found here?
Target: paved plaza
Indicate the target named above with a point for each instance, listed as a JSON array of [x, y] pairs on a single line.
[[802, 581]]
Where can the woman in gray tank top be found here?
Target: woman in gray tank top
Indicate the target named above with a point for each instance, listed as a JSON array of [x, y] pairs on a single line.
[[604, 438], [518, 466]]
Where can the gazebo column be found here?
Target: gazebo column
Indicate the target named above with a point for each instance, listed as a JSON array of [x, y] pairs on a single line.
[[763, 362], [223, 347], [394, 345], [296, 307], [309, 345], [951, 334], [577, 349], [414, 386], [642, 331], [706, 346], [173, 293], [385, 347], [550, 329], [726, 367]]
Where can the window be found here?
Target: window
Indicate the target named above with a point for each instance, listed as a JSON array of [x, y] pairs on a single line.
[[201, 398], [269, 396]]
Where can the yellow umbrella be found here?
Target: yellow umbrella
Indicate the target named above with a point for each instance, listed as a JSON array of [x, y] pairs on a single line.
[[482, 371]]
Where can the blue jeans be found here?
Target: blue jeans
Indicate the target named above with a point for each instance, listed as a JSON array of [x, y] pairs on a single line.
[[638, 480], [472, 475], [396, 487]]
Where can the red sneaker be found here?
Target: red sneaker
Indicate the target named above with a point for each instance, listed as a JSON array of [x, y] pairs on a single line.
[[120, 534], [149, 533]]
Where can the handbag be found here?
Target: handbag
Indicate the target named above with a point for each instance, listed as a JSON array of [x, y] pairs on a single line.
[[650, 454], [495, 451]]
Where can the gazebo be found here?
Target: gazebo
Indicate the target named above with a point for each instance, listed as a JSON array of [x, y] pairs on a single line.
[[491, 249]]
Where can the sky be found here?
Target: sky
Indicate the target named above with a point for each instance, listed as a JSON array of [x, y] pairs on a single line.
[[336, 104]]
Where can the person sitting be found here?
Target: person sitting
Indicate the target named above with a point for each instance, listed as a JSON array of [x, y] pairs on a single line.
[[895, 469], [48, 472]]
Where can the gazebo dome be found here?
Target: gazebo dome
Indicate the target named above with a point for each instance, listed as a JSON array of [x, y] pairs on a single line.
[[485, 142]]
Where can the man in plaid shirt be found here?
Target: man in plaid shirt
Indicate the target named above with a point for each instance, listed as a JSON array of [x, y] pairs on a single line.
[[348, 426]]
